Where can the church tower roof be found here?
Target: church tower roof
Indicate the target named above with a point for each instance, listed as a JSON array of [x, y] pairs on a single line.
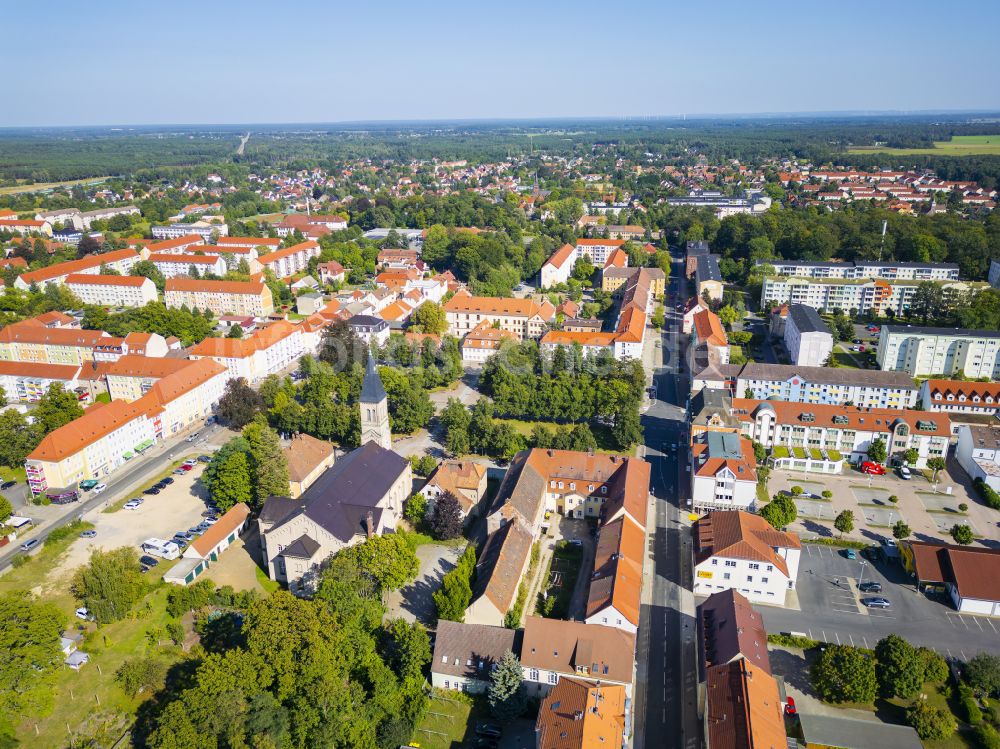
[[372, 390]]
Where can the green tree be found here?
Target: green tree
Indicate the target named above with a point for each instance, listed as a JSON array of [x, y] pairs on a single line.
[[149, 270], [911, 456], [901, 531], [6, 509], [759, 452], [780, 512], [877, 450], [844, 522], [931, 723], [429, 317], [232, 483], [982, 672], [141, 674], [962, 534], [267, 461], [17, 438], [455, 593], [57, 407], [456, 420], [409, 648], [110, 584], [29, 641], [507, 695], [728, 315], [935, 667], [446, 520], [936, 465], [844, 674], [239, 404], [627, 428], [390, 559], [900, 668], [235, 331], [416, 508]]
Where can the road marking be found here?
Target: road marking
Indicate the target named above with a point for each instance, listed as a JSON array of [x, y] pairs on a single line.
[[991, 624], [865, 640], [964, 657], [947, 650], [810, 633], [837, 636], [852, 639], [976, 620], [824, 635], [962, 619]]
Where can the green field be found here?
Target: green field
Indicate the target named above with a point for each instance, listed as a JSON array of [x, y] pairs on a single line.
[[959, 145]]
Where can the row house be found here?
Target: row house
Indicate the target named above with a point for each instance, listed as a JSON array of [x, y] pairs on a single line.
[[120, 261], [291, 260], [112, 291], [960, 396], [848, 430], [241, 298], [723, 472]]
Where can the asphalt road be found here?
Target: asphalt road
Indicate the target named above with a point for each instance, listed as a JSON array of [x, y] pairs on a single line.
[[119, 484], [666, 680]]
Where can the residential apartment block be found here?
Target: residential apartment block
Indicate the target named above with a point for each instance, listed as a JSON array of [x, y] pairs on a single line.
[[920, 352], [265, 351], [118, 260], [863, 296], [978, 452], [26, 341], [867, 388], [243, 298], [291, 260], [525, 318], [708, 278], [961, 396], [171, 265], [807, 338], [81, 220], [864, 269], [723, 472], [24, 382], [203, 229], [112, 291], [742, 552], [578, 713]]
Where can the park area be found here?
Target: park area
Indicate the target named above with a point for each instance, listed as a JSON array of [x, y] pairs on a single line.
[[959, 145]]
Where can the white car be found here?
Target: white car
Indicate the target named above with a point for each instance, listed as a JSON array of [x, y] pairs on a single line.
[[84, 613], [904, 473], [133, 504], [99, 488], [193, 437]]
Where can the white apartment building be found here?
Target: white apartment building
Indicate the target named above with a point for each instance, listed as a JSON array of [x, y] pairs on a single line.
[[559, 267], [81, 220], [742, 552], [171, 265], [807, 338], [723, 472], [177, 245], [266, 351], [202, 228], [848, 430], [922, 351], [291, 260], [978, 452], [243, 298], [863, 295], [112, 291], [24, 382], [118, 260], [525, 318], [598, 250], [961, 396], [867, 388], [864, 269]]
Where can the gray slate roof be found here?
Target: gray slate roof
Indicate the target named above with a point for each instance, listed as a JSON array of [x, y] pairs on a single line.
[[372, 390], [302, 548], [807, 319], [842, 376], [471, 650]]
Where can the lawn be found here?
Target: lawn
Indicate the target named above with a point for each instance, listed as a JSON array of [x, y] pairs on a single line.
[[779, 451], [959, 145], [451, 719], [557, 591], [894, 711], [13, 474], [799, 453], [40, 186]]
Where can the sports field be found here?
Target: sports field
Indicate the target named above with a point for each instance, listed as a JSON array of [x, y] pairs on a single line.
[[959, 145]]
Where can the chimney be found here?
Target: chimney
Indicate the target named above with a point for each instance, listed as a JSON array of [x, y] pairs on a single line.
[[370, 524]]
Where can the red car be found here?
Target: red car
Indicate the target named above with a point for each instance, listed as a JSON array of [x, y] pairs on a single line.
[[872, 468], [187, 468]]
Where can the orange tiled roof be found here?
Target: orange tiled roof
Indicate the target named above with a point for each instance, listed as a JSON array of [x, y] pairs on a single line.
[[709, 328], [76, 266]]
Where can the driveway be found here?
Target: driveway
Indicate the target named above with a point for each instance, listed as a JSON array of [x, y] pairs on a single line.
[[415, 602], [239, 564]]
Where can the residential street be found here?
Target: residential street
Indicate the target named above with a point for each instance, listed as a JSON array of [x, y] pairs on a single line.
[[666, 681]]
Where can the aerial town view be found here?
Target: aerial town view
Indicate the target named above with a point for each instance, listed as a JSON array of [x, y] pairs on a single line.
[[382, 377]]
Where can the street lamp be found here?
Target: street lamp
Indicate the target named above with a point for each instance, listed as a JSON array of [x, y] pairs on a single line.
[[862, 577]]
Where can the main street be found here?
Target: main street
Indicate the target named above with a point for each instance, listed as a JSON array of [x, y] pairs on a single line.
[[666, 678]]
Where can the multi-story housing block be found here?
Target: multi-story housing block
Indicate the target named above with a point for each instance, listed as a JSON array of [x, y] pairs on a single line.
[[920, 352], [243, 298], [112, 291], [867, 388]]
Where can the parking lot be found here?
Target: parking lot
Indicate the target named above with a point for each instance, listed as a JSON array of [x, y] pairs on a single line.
[[831, 609], [177, 507]]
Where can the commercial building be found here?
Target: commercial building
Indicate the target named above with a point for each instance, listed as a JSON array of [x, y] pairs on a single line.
[[864, 269], [742, 552], [960, 396], [920, 351], [823, 432], [242, 298], [291, 260], [866, 388], [723, 472], [525, 318], [807, 338], [969, 575], [118, 260], [752, 201], [112, 291]]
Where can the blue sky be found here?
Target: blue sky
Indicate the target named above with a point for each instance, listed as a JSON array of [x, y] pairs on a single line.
[[219, 61]]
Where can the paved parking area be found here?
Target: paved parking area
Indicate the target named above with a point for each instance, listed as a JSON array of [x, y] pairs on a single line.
[[880, 517], [814, 508], [415, 601], [830, 608], [940, 502]]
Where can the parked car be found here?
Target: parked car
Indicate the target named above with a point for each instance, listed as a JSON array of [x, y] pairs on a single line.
[[850, 553], [84, 613], [870, 587], [856, 340], [904, 473], [190, 462], [132, 504], [492, 730], [30, 544], [148, 561], [208, 514], [876, 603], [575, 542], [193, 437], [185, 468], [99, 488], [151, 490], [8, 485], [205, 458], [167, 480], [195, 531], [88, 534], [179, 471], [873, 469]]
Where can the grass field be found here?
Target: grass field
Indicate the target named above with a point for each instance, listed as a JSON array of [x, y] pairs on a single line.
[[41, 186], [450, 720], [959, 145]]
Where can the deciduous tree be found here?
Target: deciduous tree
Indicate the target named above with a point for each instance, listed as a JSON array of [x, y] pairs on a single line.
[[844, 522], [844, 674], [239, 404], [110, 584], [446, 520], [900, 669], [780, 511]]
